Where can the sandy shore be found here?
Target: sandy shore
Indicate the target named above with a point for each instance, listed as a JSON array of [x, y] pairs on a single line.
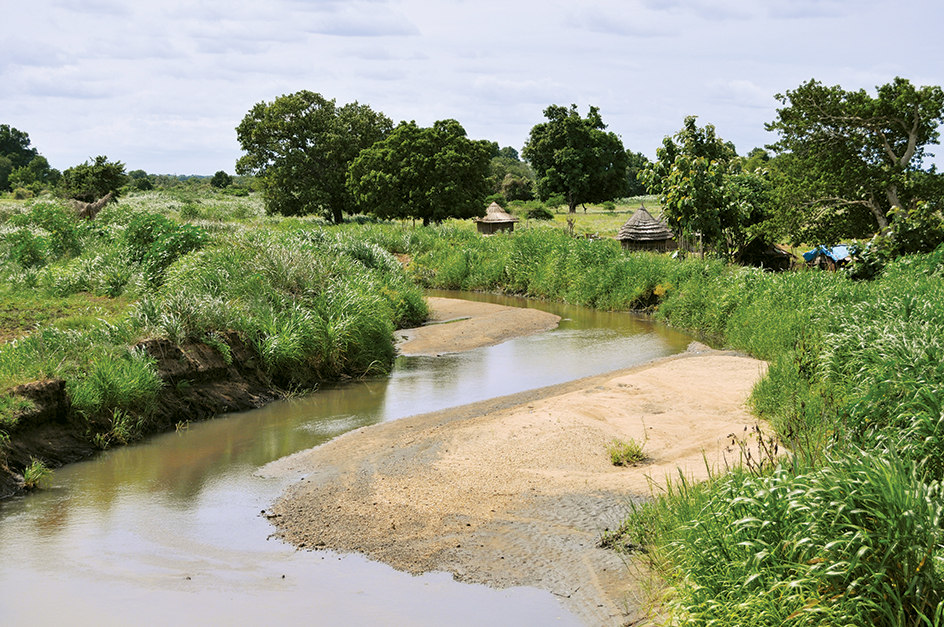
[[460, 325], [517, 490]]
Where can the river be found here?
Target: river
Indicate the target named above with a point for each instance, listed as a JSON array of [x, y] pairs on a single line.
[[169, 532]]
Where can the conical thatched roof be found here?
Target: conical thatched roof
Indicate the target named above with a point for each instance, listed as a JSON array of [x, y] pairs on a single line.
[[495, 213], [642, 227]]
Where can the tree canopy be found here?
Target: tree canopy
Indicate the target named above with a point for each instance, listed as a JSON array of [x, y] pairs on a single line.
[[15, 152], [90, 181], [704, 192], [423, 173], [576, 157], [301, 146], [849, 157]]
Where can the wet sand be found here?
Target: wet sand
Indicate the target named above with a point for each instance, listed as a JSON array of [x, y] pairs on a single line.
[[517, 490]]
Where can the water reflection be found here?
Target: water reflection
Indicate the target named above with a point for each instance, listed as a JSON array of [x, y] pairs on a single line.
[[169, 530]]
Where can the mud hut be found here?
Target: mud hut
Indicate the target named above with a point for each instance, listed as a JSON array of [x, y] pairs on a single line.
[[496, 219], [643, 232]]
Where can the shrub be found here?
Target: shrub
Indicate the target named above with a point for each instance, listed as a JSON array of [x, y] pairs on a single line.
[[26, 249]]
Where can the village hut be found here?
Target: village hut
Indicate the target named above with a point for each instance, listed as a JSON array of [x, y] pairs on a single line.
[[643, 232], [496, 219]]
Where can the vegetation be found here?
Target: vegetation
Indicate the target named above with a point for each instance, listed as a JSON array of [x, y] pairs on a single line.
[[301, 145], [576, 157], [429, 174], [316, 305], [705, 195], [90, 181], [626, 452], [36, 475], [851, 157]]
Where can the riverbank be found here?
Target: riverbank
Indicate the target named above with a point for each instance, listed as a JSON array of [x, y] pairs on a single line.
[[517, 490]]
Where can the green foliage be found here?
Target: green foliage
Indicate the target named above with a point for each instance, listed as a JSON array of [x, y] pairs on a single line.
[[422, 173], [301, 146], [123, 380], [703, 193], [852, 156], [221, 179], [25, 249], [854, 542], [37, 475], [636, 164], [35, 176], [156, 242], [15, 152], [626, 452], [576, 157], [90, 181]]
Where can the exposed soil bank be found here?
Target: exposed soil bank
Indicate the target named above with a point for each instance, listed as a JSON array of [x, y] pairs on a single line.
[[517, 490], [198, 384]]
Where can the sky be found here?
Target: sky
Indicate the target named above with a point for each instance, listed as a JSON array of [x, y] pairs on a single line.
[[161, 85]]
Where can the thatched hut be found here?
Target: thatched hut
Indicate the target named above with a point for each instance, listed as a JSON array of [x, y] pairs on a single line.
[[643, 232], [496, 219]]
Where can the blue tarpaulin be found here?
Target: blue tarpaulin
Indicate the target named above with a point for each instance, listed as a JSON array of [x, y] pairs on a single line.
[[836, 253]]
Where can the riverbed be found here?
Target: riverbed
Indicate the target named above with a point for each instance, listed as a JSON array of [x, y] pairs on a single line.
[[173, 531]]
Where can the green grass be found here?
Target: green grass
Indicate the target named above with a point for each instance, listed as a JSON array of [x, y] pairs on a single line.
[[37, 475], [626, 452]]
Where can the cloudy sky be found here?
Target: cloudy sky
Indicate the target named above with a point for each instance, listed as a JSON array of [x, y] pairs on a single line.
[[161, 84]]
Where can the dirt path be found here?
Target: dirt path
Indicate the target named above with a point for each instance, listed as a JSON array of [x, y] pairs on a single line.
[[517, 490]]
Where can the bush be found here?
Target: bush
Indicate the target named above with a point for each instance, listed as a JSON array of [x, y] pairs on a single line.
[[90, 181], [26, 249], [156, 242]]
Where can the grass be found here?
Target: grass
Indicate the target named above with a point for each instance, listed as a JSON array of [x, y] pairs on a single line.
[[626, 452], [37, 475], [316, 304]]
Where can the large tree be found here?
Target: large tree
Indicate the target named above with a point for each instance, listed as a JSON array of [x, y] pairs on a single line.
[[423, 173], [576, 157], [704, 193], [849, 157], [301, 146]]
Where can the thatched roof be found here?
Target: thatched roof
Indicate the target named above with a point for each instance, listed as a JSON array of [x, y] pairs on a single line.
[[642, 227], [495, 213]]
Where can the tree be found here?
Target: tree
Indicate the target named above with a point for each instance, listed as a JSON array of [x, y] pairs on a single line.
[[35, 176], [301, 146], [14, 152], [636, 163], [423, 173], [852, 157], [704, 193], [90, 181], [221, 179], [576, 157]]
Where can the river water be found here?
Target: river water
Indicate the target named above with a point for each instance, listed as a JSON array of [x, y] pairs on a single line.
[[169, 532]]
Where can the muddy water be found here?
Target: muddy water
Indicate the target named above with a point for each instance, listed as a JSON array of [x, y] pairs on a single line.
[[169, 532]]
